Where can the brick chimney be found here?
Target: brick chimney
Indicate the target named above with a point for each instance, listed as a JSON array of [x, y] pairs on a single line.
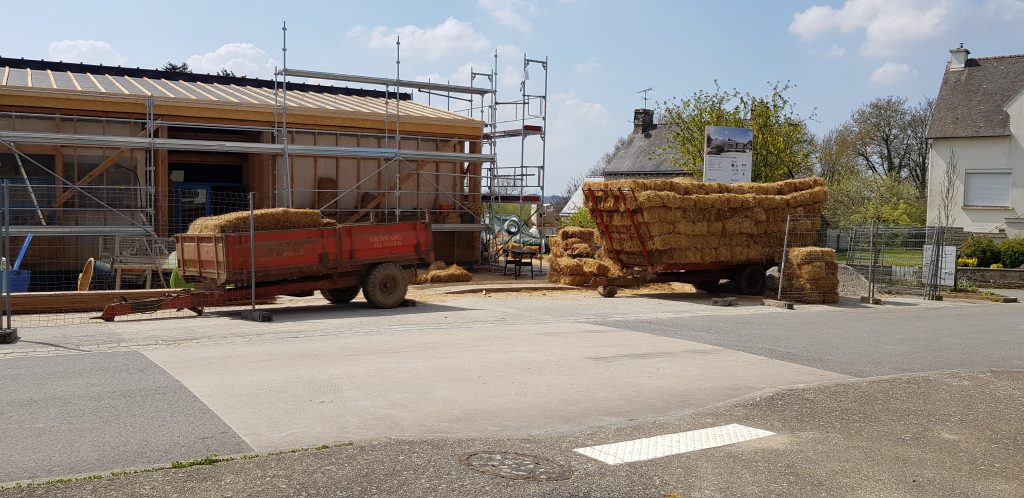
[[958, 57], [643, 121]]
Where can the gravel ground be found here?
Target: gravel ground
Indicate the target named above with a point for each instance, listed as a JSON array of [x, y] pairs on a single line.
[[851, 283]]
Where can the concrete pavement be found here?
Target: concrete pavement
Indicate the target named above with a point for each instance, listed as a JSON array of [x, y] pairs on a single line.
[[85, 413], [463, 381], [921, 435], [547, 367]]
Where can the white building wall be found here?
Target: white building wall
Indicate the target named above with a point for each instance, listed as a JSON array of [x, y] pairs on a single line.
[[983, 153]]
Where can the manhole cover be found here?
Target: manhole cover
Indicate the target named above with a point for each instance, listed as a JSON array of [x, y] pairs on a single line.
[[519, 466]]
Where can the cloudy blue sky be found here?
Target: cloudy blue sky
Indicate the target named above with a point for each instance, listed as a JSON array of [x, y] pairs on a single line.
[[839, 54]]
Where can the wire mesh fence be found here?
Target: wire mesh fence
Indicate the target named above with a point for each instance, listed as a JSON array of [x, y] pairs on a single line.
[[869, 260], [110, 243], [808, 272]]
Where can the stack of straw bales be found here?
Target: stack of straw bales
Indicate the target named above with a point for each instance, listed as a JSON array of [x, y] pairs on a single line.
[[811, 275], [573, 259], [687, 222], [441, 273], [265, 220]]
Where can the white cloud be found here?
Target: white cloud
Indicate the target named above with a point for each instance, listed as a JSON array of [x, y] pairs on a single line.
[[587, 68], [509, 72], [451, 37], [889, 26], [511, 13], [891, 73], [579, 131], [1010, 10], [87, 51], [240, 58], [835, 51], [573, 109]]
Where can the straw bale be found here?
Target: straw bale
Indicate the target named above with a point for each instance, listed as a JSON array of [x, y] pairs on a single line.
[[801, 255], [588, 235], [811, 275], [453, 273], [437, 265], [576, 280], [266, 220], [580, 250], [682, 221], [581, 266]]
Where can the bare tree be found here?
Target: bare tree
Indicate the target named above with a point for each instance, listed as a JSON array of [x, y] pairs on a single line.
[[948, 190], [176, 68], [881, 139], [833, 156], [567, 192], [918, 143]]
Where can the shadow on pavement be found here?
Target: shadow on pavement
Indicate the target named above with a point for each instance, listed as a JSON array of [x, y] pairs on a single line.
[[360, 309]]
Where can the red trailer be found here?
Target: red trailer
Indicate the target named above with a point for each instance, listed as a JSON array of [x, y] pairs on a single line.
[[337, 261]]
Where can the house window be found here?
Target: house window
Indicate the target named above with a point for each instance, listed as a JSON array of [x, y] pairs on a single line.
[[987, 189]]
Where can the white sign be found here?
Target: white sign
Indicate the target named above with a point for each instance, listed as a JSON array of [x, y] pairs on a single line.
[[947, 265], [728, 154]]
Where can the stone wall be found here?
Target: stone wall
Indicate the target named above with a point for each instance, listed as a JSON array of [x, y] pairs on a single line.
[[999, 278]]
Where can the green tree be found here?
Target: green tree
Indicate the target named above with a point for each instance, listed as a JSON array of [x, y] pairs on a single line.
[[580, 218], [857, 198], [227, 72], [783, 145], [890, 139], [833, 156], [176, 68]]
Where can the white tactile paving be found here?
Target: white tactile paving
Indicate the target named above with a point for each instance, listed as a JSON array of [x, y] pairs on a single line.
[[649, 448]]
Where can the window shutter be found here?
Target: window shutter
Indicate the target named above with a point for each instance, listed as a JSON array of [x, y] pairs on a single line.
[[987, 189]]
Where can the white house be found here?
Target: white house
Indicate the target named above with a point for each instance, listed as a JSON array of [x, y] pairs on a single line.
[[979, 116]]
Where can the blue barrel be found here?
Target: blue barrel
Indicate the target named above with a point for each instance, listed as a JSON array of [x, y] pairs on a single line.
[[19, 281]]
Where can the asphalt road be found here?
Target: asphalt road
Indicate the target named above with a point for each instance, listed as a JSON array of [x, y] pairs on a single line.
[[533, 373], [931, 435], [84, 413], [864, 342]]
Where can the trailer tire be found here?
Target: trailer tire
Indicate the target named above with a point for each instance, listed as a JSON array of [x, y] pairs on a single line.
[[385, 286], [749, 280], [341, 295]]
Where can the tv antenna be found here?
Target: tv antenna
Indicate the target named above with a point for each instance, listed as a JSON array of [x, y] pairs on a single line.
[[644, 91]]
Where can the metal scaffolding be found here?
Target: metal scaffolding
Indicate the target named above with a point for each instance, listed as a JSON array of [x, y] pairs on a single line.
[[479, 197], [521, 186]]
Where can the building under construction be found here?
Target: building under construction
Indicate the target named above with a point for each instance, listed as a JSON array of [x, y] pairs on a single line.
[[92, 152]]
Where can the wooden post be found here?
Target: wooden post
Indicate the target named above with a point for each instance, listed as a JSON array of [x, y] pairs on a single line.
[[475, 181], [161, 178]]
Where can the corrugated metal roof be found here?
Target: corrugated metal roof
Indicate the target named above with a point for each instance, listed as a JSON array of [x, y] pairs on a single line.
[[225, 90]]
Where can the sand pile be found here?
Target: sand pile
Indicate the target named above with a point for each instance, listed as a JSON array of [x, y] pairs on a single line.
[[265, 220], [441, 273], [574, 261], [683, 221], [811, 276]]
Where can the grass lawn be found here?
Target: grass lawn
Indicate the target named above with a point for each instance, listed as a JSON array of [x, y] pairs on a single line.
[[898, 257]]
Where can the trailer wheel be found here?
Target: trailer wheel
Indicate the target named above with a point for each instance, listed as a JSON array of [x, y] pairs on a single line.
[[385, 286], [341, 295], [749, 280], [607, 290]]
